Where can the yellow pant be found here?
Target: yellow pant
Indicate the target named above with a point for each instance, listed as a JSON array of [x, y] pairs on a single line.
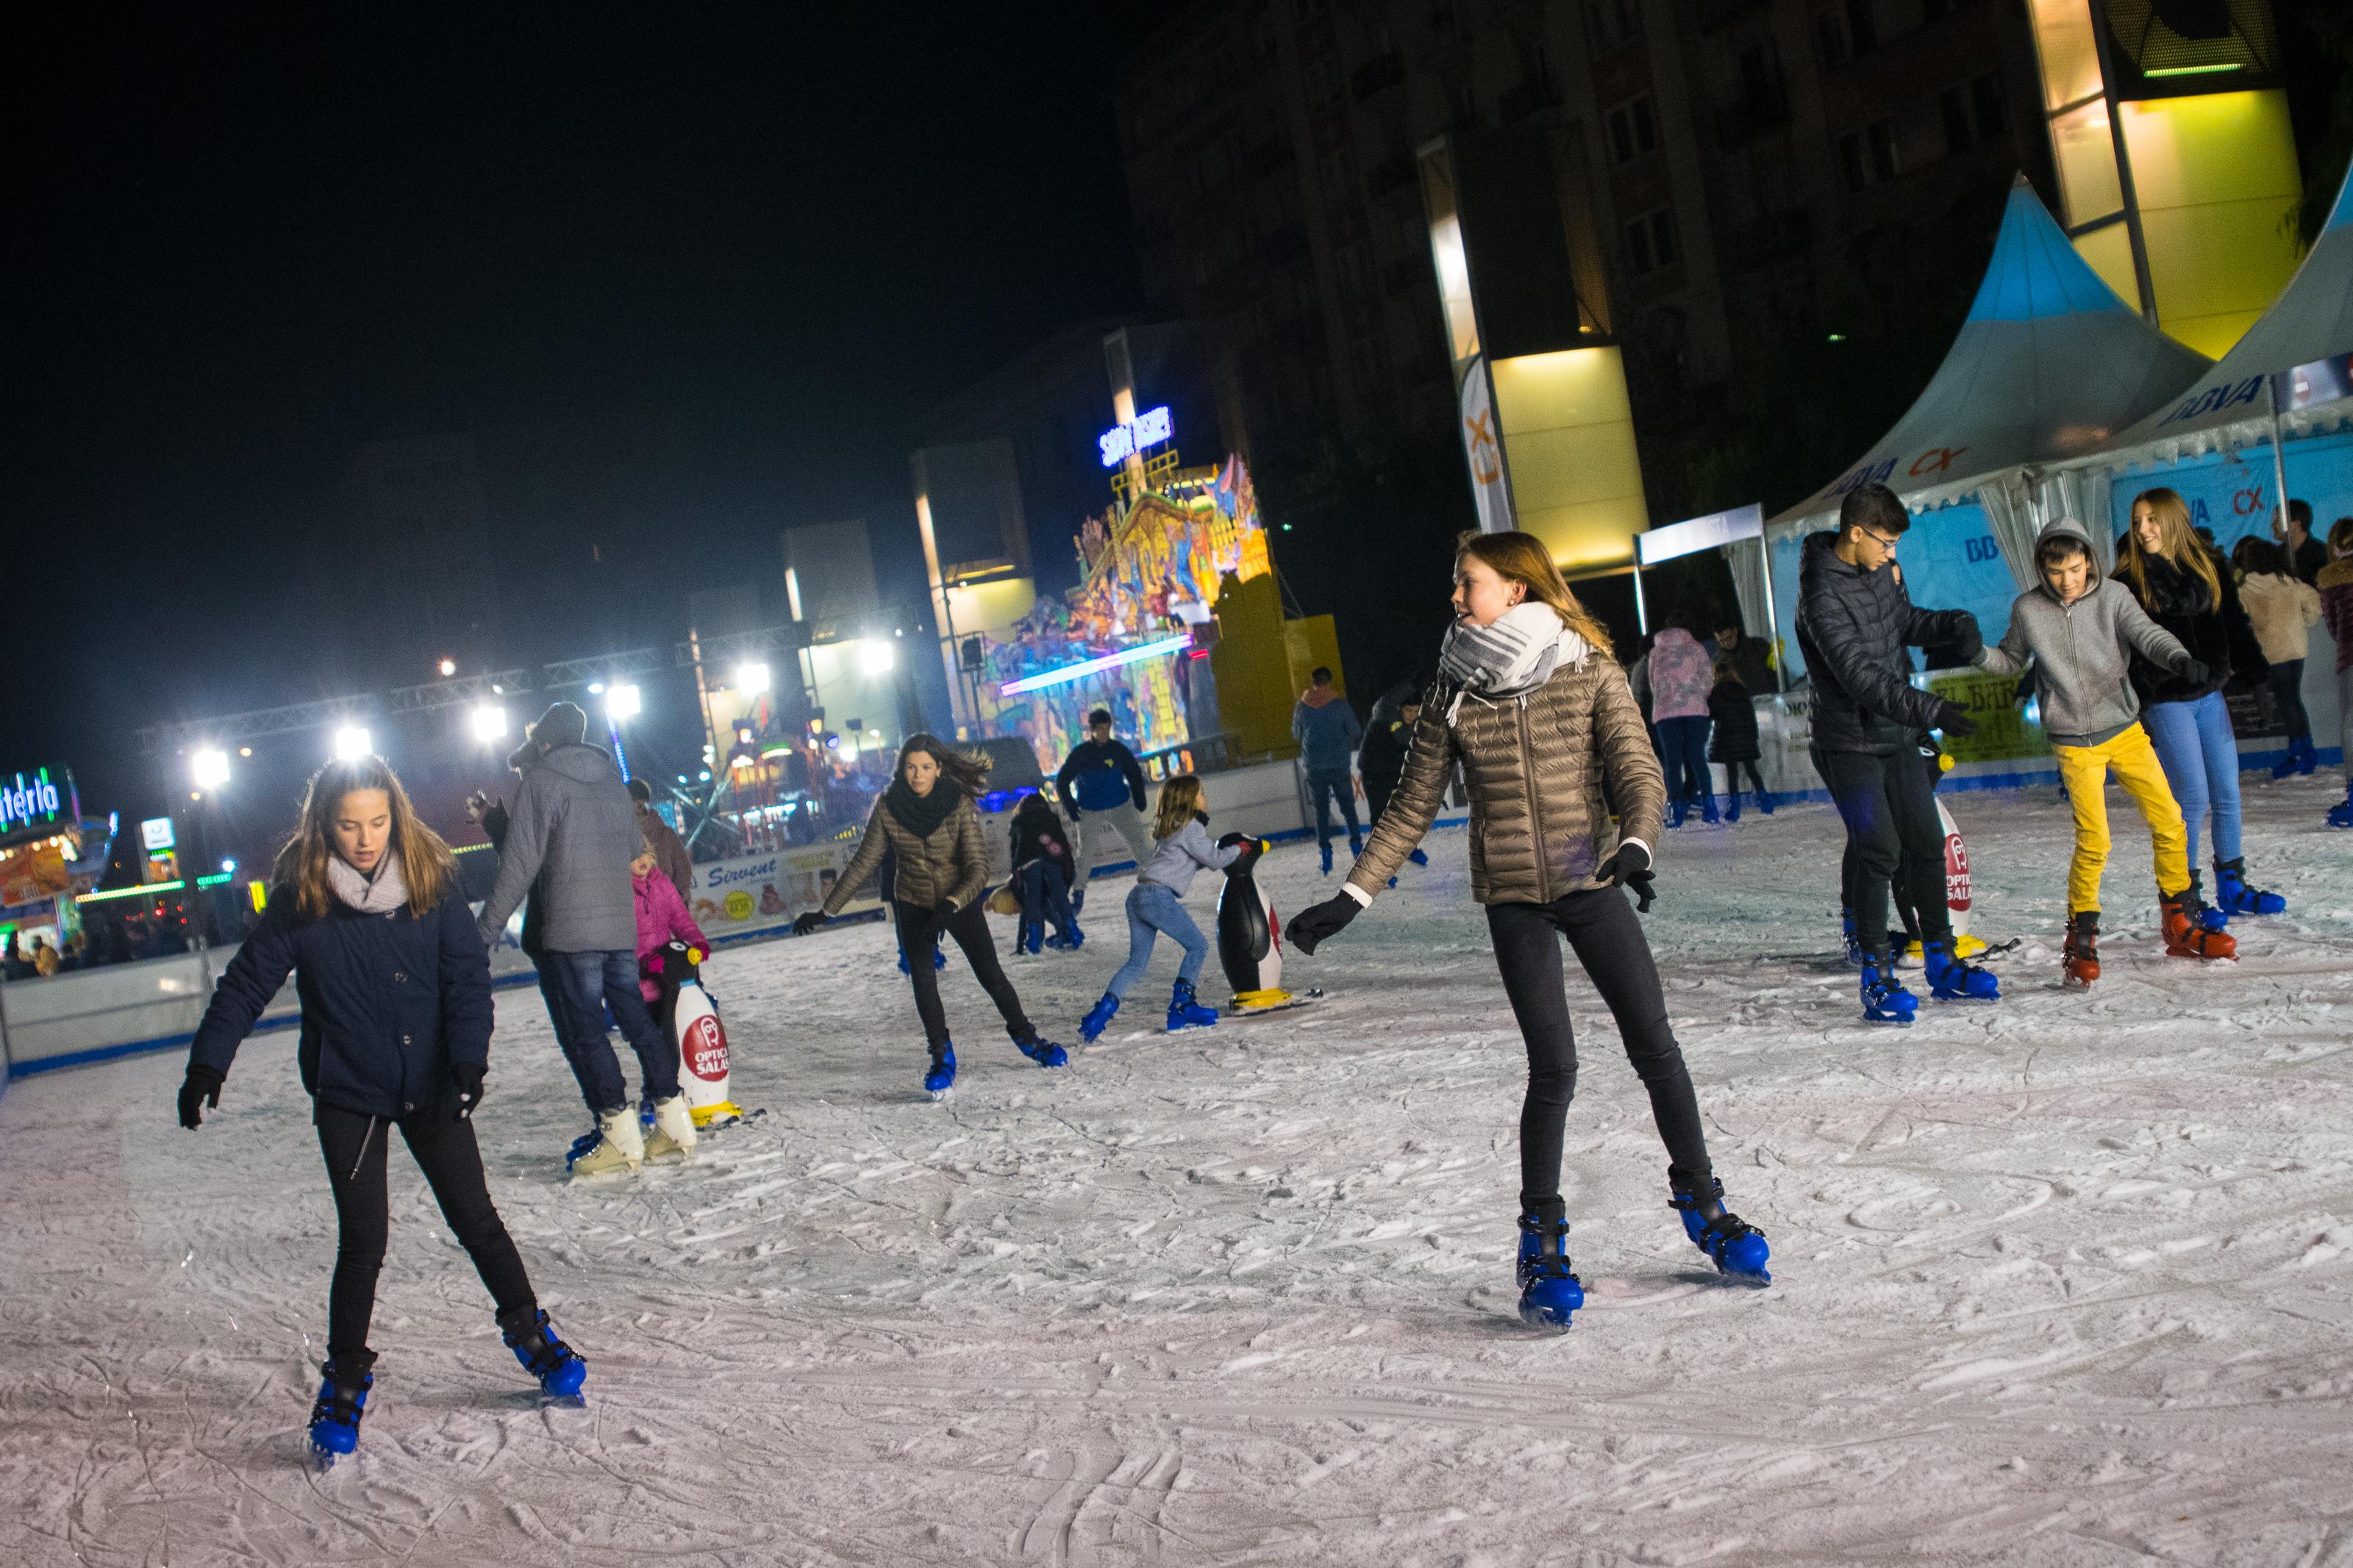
[[2084, 769]]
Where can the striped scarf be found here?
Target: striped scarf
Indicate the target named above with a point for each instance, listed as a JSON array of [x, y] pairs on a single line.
[[1517, 652]]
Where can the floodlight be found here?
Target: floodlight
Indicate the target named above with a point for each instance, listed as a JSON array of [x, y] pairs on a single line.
[[449, 668], [353, 742], [876, 657], [489, 722], [752, 677], [210, 768], [623, 701]]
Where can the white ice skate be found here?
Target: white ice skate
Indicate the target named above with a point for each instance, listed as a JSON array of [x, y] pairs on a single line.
[[673, 1134], [620, 1146]]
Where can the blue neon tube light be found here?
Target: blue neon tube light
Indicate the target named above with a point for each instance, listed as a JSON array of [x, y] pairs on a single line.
[[1085, 668]]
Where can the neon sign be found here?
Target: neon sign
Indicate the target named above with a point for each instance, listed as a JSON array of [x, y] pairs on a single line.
[[1085, 668], [1122, 442], [25, 803]]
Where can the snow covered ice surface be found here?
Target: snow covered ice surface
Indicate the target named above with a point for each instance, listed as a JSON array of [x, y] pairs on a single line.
[[2063, 1279]]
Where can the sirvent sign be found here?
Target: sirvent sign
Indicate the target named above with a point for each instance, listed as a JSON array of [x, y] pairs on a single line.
[[29, 802]]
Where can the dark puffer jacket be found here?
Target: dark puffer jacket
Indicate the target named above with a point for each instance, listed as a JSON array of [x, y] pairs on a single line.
[[1854, 627], [2218, 635], [947, 865], [1535, 766], [388, 1001], [1732, 738]]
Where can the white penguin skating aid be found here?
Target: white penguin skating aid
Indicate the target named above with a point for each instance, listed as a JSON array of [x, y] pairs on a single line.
[[1249, 941]]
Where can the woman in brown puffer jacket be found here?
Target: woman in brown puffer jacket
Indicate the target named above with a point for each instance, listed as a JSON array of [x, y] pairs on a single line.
[[1529, 702], [926, 818]]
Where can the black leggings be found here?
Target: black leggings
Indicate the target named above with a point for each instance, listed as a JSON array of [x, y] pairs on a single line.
[[2287, 679], [1732, 776], [1609, 941], [444, 1148], [919, 928], [1893, 835]]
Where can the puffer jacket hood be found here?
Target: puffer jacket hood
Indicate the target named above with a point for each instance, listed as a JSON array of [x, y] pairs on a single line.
[[1534, 765]]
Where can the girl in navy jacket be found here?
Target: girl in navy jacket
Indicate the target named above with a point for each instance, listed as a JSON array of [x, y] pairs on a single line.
[[365, 910]]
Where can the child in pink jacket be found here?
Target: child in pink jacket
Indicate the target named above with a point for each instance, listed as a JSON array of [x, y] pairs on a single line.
[[661, 919]]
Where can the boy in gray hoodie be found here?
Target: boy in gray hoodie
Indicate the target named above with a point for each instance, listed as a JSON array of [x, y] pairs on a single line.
[[2082, 633]]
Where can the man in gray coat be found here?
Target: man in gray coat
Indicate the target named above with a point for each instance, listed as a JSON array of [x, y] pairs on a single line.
[[1327, 729], [568, 842]]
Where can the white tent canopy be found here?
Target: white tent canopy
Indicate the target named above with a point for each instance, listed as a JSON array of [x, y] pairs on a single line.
[[2311, 321], [2050, 363]]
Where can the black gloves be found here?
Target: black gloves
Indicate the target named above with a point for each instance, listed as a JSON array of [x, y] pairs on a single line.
[[468, 1077], [202, 1087], [1232, 840], [1629, 869], [1311, 925], [1971, 641], [808, 921], [2192, 669], [1954, 720], [943, 911]]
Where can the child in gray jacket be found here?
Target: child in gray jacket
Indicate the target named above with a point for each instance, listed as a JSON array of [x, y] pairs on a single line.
[[1155, 904], [2082, 633]]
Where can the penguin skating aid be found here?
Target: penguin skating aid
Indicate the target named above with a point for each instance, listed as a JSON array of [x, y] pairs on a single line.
[[1249, 941]]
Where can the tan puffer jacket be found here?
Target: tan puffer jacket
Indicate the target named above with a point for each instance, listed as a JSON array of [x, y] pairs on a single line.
[[1534, 766], [950, 866]]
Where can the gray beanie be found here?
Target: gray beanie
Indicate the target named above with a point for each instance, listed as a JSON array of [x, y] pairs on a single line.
[[564, 724]]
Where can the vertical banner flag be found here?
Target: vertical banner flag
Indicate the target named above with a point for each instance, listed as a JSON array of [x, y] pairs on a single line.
[[1483, 445]]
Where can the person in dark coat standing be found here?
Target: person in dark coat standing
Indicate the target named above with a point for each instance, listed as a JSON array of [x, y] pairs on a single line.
[[1043, 868], [366, 911], [2192, 593], [1732, 738], [1380, 757], [1327, 729], [1855, 625]]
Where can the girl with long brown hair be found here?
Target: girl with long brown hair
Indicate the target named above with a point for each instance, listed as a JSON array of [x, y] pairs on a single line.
[[1155, 904], [2188, 591], [927, 819], [1541, 721], [366, 911]]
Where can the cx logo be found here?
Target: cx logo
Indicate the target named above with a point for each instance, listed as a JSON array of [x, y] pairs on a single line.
[[2248, 503], [1486, 457], [1936, 460]]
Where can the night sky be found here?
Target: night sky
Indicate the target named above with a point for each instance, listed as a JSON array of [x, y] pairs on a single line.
[[766, 240]]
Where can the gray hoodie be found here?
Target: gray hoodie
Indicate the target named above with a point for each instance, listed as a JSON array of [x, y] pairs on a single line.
[[1175, 859], [573, 830], [2082, 651]]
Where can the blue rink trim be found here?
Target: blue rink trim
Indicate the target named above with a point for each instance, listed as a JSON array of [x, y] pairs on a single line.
[[1958, 782]]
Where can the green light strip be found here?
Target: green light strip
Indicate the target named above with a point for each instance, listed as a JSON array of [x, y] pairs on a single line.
[[2195, 70], [140, 893], [215, 882]]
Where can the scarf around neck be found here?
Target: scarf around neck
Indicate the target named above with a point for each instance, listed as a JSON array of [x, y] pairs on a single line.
[[922, 814], [379, 895], [1516, 653]]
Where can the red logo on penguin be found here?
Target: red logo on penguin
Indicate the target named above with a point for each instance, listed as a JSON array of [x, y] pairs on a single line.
[[1956, 873], [706, 1048]]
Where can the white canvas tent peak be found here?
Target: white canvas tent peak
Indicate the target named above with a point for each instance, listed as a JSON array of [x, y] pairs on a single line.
[[2049, 363], [2312, 320]]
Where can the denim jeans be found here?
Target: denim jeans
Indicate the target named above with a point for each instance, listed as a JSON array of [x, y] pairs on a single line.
[[1045, 896], [1683, 748], [585, 984], [1339, 785], [2201, 758], [1150, 909]]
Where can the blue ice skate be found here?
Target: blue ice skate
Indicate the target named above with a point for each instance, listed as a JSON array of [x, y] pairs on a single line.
[[942, 1077], [343, 1400], [1950, 980], [2231, 892], [1183, 1012], [1738, 1246], [2206, 914], [1854, 953], [1886, 1001], [2341, 813], [546, 1357], [1044, 1052], [1417, 856], [1098, 1018], [1549, 1292], [1325, 850]]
